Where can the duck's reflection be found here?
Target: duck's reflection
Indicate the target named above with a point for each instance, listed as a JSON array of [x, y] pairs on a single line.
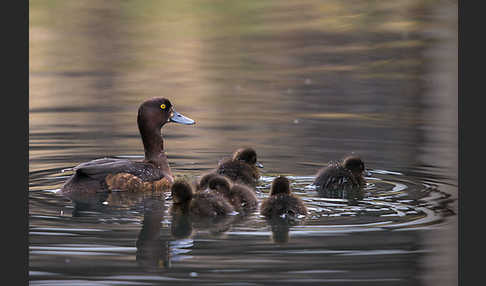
[[153, 250], [83, 204]]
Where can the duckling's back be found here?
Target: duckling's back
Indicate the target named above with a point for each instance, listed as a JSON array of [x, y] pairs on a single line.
[[283, 204], [209, 204], [238, 171], [243, 198], [334, 176]]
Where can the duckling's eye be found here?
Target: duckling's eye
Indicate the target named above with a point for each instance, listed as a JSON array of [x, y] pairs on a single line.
[[162, 106]]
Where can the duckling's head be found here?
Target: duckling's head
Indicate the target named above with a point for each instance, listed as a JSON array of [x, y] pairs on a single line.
[[204, 180], [155, 112], [181, 192], [247, 155], [280, 185], [220, 184], [354, 164]]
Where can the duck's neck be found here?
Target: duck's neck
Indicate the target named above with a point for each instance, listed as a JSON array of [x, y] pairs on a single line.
[[153, 145]]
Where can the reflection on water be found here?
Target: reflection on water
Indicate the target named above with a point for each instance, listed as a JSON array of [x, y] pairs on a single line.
[[303, 82]]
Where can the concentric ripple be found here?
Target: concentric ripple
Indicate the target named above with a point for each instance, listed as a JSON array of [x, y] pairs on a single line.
[[392, 200]]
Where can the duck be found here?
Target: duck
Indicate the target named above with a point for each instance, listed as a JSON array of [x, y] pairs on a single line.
[[281, 201], [343, 179], [152, 173], [241, 197], [242, 167], [202, 204]]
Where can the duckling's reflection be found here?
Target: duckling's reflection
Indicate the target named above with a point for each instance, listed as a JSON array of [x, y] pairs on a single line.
[[280, 230], [152, 248], [184, 224], [352, 194], [280, 227], [181, 225]]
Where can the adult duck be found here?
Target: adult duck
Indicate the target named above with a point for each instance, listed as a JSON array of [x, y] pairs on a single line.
[[153, 173]]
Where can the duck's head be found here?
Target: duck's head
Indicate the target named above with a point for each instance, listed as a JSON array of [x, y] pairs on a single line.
[[220, 184], [354, 164], [156, 112], [280, 185], [247, 155], [181, 192]]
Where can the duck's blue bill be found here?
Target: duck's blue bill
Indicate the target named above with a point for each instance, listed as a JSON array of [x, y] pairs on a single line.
[[179, 118], [259, 165]]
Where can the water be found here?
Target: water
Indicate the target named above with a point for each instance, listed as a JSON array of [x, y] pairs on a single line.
[[303, 83]]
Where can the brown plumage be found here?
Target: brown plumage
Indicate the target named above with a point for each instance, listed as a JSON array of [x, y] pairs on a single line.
[[342, 179], [281, 201], [204, 203], [241, 197], [202, 184], [242, 167], [100, 175], [130, 183]]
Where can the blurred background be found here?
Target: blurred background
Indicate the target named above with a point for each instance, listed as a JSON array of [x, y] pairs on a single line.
[[303, 82]]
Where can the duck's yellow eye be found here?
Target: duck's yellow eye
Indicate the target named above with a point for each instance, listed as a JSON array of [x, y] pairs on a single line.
[[162, 106]]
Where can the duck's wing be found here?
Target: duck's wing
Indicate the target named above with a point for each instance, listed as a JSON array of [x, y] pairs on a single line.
[[99, 168]]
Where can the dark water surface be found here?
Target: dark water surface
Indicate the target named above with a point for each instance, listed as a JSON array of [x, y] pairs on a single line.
[[303, 82]]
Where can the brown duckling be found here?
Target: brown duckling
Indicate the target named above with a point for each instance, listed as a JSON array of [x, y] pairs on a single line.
[[242, 167], [281, 201], [153, 173], [204, 203], [342, 179], [203, 181], [241, 197]]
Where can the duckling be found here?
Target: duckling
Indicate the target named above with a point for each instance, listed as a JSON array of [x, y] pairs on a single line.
[[281, 201], [342, 179], [205, 203], [242, 167], [203, 181], [153, 173], [241, 197]]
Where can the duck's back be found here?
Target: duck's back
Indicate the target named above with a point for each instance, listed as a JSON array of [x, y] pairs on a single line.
[[90, 176], [100, 168]]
